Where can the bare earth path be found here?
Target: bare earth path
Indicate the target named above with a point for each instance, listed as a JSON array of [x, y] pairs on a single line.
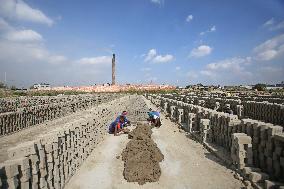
[[186, 164]]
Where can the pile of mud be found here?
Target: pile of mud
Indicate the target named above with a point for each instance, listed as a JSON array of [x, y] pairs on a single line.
[[141, 156]]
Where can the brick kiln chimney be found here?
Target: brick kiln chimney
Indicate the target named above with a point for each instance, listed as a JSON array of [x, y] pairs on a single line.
[[113, 69]]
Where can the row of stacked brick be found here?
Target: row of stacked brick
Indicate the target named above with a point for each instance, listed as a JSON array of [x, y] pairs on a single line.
[[265, 111], [270, 99], [268, 112], [52, 159], [12, 104], [250, 142], [22, 118]]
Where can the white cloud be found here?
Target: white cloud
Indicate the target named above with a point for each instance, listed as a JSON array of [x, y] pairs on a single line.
[[212, 29], [201, 51], [234, 64], [163, 59], [270, 49], [152, 56], [248, 70], [227, 71], [192, 75], [178, 68], [57, 59], [23, 36], [269, 22], [19, 10], [102, 60], [4, 25], [158, 2], [146, 69], [189, 18], [272, 24]]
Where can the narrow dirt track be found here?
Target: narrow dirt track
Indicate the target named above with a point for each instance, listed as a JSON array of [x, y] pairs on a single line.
[[186, 164]]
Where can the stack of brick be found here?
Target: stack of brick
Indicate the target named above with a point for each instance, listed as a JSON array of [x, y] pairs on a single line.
[[241, 150], [22, 118], [52, 159], [268, 112], [262, 144], [204, 129]]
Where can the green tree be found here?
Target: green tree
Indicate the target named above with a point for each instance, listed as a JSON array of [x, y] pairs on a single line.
[[13, 87], [2, 85], [260, 87]]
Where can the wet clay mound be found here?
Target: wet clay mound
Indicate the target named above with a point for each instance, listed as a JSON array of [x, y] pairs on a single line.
[[140, 132], [141, 157]]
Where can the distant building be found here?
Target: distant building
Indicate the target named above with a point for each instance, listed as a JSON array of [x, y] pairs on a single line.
[[246, 86], [42, 86], [280, 84]]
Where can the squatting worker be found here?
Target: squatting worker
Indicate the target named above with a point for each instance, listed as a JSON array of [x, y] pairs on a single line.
[[117, 126], [154, 117], [126, 121]]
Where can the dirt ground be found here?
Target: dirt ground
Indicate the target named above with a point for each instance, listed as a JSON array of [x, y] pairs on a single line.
[[186, 164]]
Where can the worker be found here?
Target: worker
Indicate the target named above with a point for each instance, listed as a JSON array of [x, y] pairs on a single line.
[[117, 126], [126, 121], [154, 117]]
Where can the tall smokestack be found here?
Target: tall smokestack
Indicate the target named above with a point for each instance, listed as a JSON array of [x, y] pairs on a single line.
[[113, 69]]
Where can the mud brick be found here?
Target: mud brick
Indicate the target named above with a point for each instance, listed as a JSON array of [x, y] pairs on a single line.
[[264, 132], [48, 148], [42, 183], [282, 161], [49, 158], [247, 170], [271, 185], [269, 165], [278, 150], [279, 137], [273, 129], [255, 140], [276, 168], [258, 176], [10, 169], [25, 175], [25, 185], [43, 172], [13, 182]]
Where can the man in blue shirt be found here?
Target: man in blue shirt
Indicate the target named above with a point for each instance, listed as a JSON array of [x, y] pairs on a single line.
[[154, 117], [117, 126], [126, 121]]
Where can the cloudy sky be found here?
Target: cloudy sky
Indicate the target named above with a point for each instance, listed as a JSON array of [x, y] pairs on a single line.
[[182, 42]]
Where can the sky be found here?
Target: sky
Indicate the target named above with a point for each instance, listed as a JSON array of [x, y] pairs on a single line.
[[177, 42]]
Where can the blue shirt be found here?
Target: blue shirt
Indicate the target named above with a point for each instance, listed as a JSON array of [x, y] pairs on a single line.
[[152, 113], [118, 119]]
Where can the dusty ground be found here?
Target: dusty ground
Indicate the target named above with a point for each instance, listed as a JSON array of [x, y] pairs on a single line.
[[186, 164]]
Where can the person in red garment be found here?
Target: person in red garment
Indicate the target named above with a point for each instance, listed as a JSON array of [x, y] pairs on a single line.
[[117, 126]]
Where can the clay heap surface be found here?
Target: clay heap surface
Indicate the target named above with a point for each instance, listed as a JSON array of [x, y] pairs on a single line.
[[141, 156]]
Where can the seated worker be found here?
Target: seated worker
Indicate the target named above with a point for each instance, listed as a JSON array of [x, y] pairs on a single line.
[[117, 126], [126, 121], [154, 117]]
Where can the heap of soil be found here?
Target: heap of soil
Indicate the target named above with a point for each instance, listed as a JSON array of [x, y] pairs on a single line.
[[142, 130], [141, 157]]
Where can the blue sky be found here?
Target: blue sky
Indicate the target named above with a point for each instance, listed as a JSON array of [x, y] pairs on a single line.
[[182, 42]]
